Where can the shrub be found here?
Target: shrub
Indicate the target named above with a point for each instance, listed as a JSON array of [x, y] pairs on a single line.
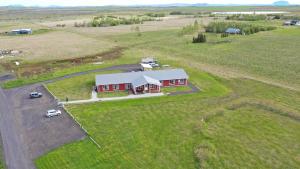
[[201, 38]]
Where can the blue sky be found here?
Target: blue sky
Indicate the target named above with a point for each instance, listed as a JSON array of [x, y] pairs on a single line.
[[129, 2]]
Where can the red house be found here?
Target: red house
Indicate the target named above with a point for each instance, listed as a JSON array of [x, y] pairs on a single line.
[[141, 82]]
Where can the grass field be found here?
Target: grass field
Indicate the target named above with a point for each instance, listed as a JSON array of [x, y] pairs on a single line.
[[176, 89], [204, 130], [231, 56], [53, 45]]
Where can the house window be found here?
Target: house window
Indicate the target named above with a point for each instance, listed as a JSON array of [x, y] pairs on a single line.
[[106, 87], [172, 82], [127, 86], [152, 86], [116, 87], [181, 81]]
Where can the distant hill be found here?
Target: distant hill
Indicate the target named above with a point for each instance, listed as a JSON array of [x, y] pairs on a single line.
[[281, 3]]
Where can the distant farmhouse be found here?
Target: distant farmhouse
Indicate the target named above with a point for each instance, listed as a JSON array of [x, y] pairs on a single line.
[[292, 23], [141, 82], [21, 31], [233, 31]]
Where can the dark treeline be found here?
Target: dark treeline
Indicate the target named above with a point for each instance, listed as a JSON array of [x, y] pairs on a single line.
[[246, 28], [247, 17]]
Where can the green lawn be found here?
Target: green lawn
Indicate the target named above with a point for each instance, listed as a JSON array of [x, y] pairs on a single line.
[[175, 89], [76, 88], [113, 94]]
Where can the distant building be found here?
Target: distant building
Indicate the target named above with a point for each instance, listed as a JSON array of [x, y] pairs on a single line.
[[294, 22], [150, 61], [233, 31], [291, 23], [287, 23], [21, 31], [146, 67]]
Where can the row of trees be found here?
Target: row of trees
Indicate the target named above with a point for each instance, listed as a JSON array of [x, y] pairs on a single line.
[[114, 21], [155, 15], [247, 17], [103, 21], [246, 28]]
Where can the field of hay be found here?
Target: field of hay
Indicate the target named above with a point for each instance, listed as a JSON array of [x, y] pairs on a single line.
[[55, 45]]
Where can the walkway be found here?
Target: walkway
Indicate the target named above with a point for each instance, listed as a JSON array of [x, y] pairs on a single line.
[[95, 99]]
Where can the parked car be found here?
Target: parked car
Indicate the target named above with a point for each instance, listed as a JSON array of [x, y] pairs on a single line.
[[51, 113], [35, 95]]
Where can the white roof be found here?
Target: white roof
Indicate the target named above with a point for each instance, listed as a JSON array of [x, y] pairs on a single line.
[[146, 66], [145, 80], [17, 30], [140, 77]]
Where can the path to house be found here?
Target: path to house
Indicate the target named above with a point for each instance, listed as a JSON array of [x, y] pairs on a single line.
[[95, 99], [194, 89]]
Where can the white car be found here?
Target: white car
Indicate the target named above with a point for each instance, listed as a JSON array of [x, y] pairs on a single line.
[[51, 113]]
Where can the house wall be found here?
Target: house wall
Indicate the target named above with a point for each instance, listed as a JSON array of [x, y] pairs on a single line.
[[166, 83], [122, 87]]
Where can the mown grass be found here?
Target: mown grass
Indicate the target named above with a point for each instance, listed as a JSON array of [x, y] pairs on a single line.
[[76, 88], [113, 94], [175, 89]]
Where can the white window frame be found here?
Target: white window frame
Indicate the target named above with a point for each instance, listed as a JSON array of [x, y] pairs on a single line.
[[172, 82], [127, 86], [116, 86], [105, 87], [181, 81]]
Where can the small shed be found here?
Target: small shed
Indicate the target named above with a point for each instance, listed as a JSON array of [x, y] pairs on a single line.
[[233, 31], [146, 67], [21, 31]]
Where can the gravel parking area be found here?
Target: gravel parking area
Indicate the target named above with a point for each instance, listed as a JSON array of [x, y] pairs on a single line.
[[38, 134]]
